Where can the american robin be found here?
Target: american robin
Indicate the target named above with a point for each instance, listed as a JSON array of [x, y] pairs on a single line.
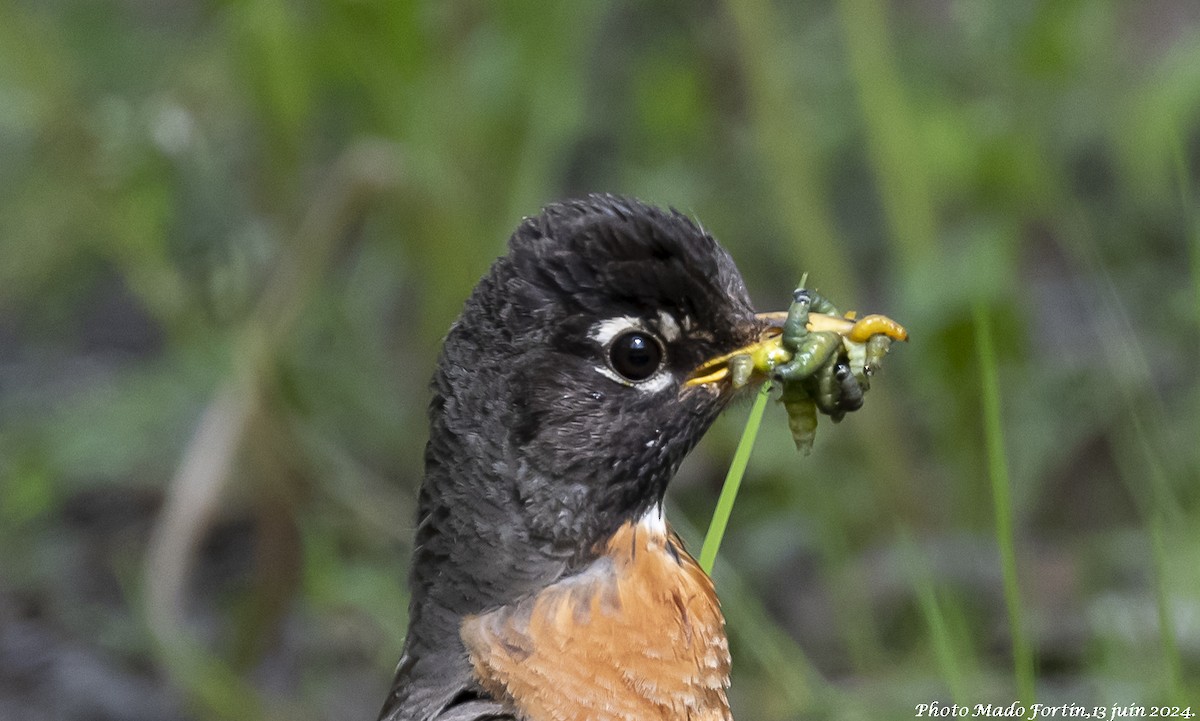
[[546, 584]]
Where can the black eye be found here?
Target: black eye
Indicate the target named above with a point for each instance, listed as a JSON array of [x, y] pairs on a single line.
[[635, 355]]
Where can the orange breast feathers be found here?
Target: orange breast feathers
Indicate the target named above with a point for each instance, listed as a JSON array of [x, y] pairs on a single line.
[[638, 635]]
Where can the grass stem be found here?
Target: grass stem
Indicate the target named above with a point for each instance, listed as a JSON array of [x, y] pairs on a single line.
[[1001, 484], [733, 480], [950, 663]]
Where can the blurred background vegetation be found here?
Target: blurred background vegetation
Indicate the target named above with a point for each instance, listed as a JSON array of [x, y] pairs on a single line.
[[232, 233]]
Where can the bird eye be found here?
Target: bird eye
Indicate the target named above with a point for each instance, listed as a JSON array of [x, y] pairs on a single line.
[[635, 355]]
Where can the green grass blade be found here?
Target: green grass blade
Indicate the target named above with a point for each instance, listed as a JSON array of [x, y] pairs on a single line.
[[733, 480], [1145, 466], [949, 663], [1166, 625], [1187, 207], [895, 154], [1002, 503]]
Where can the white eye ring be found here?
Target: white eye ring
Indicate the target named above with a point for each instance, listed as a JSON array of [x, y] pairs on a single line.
[[607, 331]]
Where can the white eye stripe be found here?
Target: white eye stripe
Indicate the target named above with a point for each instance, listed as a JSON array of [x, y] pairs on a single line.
[[610, 328]]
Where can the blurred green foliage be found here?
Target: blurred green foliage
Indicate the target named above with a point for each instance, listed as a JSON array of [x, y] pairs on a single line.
[[175, 220]]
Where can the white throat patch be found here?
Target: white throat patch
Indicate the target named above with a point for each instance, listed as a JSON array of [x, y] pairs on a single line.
[[653, 522]]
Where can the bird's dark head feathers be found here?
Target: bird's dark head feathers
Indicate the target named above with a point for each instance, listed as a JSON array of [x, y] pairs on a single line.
[[531, 355], [542, 441]]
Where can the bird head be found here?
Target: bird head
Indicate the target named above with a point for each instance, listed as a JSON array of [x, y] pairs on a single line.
[[566, 376], [564, 399]]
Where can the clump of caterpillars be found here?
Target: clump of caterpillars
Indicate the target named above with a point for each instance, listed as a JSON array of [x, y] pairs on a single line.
[[823, 360]]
